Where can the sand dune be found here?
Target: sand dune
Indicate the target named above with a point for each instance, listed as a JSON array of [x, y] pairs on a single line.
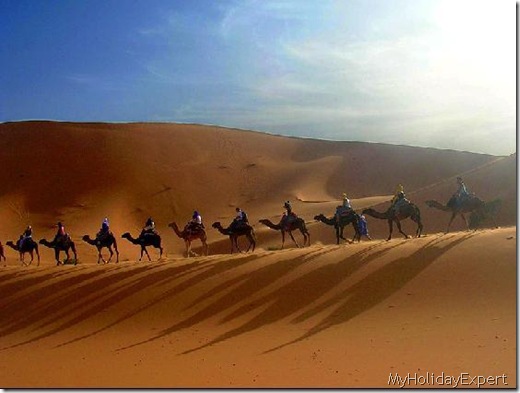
[[327, 315], [322, 316]]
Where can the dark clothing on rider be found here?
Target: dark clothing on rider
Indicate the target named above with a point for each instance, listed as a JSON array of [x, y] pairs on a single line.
[[149, 228], [27, 234], [60, 235], [240, 220], [104, 231]]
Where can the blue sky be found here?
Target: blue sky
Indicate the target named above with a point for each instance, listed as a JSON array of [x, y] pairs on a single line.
[[439, 73]]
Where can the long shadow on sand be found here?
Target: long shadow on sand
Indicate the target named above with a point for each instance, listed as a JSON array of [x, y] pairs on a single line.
[[374, 288], [244, 286], [297, 294], [175, 273]]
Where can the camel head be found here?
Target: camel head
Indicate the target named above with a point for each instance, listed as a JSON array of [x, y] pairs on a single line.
[[85, 238], [319, 217], [216, 224], [126, 235]]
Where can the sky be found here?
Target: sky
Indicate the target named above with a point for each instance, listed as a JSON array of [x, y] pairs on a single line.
[[432, 73]]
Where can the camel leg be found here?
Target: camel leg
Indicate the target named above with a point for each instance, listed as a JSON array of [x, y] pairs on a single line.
[[143, 250], [466, 221], [391, 228], [341, 235], [418, 233], [451, 220], [100, 256], [148, 255], [252, 243], [294, 240], [283, 239], [160, 252], [188, 248], [236, 244], [117, 253], [398, 223]]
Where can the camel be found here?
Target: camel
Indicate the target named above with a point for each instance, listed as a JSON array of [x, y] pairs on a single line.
[[298, 223], [189, 236], [473, 205], [243, 230], [408, 210], [29, 246], [65, 245], [144, 241], [351, 218], [107, 241], [2, 255]]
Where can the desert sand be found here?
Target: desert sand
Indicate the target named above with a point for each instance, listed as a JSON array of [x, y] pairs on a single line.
[[327, 315]]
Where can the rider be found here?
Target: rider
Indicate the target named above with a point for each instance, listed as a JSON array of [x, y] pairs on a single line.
[[288, 215], [462, 191], [399, 198], [149, 228], [105, 229], [240, 219], [460, 195], [61, 235], [195, 223], [344, 208], [27, 234]]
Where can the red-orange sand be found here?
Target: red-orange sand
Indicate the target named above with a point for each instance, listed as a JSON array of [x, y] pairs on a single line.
[[350, 315]]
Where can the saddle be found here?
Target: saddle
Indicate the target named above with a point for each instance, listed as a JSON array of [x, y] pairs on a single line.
[[148, 234], [237, 225], [455, 201], [342, 211], [193, 228], [288, 219], [102, 236], [402, 202]]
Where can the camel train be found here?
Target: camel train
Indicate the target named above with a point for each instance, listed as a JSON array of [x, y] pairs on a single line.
[[461, 203]]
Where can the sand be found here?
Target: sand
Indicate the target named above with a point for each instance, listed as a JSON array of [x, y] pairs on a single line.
[[328, 315]]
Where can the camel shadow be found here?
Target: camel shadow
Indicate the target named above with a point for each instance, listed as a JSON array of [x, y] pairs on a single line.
[[288, 299], [374, 289], [244, 286], [177, 272]]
